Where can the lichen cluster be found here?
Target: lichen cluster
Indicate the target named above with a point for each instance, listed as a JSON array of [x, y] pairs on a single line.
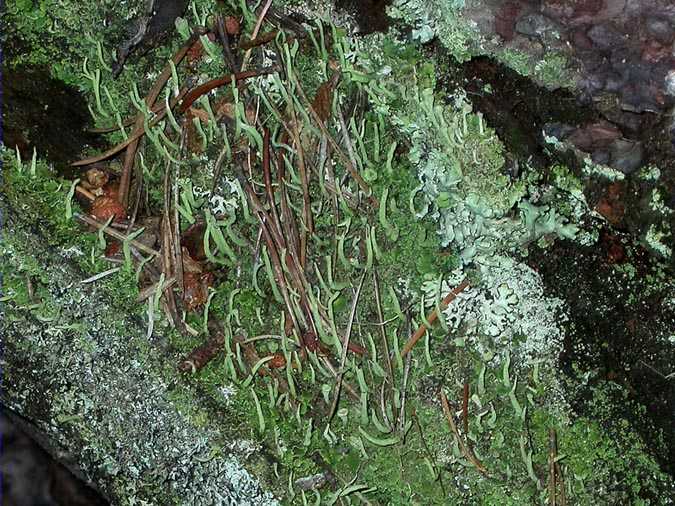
[[447, 209]]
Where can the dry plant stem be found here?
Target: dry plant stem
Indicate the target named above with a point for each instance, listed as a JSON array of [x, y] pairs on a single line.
[[383, 407], [465, 407], [267, 176], [345, 136], [177, 251], [383, 334], [137, 197], [168, 298], [225, 42], [345, 160], [149, 291], [168, 311], [345, 345], [556, 481], [466, 451], [308, 229], [274, 239], [148, 266], [333, 202], [117, 235], [561, 484], [135, 135], [256, 29], [287, 215], [350, 389], [258, 41], [278, 270], [432, 317], [154, 92], [217, 170], [404, 392], [168, 258], [85, 193], [296, 271], [552, 486]]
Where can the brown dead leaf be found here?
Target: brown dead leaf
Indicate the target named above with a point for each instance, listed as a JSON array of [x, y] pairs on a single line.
[[104, 207], [196, 289], [323, 100]]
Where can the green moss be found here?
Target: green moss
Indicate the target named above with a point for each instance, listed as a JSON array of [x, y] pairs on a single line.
[[607, 460], [421, 147]]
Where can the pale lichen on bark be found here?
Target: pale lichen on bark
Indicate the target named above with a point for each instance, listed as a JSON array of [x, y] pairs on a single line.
[[86, 376]]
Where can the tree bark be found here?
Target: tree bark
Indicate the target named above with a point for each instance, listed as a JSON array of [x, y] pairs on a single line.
[[110, 404]]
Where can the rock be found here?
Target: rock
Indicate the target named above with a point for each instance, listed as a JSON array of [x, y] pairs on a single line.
[[660, 29], [595, 136], [605, 36], [537, 26], [626, 155]]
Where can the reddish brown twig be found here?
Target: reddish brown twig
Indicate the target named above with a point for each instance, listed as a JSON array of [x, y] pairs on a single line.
[[139, 125], [466, 450], [202, 89], [267, 177], [139, 130], [134, 136], [432, 317], [308, 229], [258, 41], [256, 30], [344, 158], [225, 42]]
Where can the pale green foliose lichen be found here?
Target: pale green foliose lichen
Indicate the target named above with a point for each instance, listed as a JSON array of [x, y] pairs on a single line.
[[481, 213], [591, 168], [658, 240]]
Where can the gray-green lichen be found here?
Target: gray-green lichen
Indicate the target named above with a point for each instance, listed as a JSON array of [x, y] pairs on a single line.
[[464, 28]]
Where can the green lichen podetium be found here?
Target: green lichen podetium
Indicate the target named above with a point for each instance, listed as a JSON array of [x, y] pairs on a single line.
[[447, 160], [77, 362]]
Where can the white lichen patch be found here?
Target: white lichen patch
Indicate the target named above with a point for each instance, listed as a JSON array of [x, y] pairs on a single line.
[[507, 310]]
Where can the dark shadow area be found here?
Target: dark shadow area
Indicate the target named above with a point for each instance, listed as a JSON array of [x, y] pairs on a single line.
[[42, 113], [31, 477]]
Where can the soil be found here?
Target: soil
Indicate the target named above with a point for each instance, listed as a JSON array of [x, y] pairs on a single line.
[[45, 114]]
